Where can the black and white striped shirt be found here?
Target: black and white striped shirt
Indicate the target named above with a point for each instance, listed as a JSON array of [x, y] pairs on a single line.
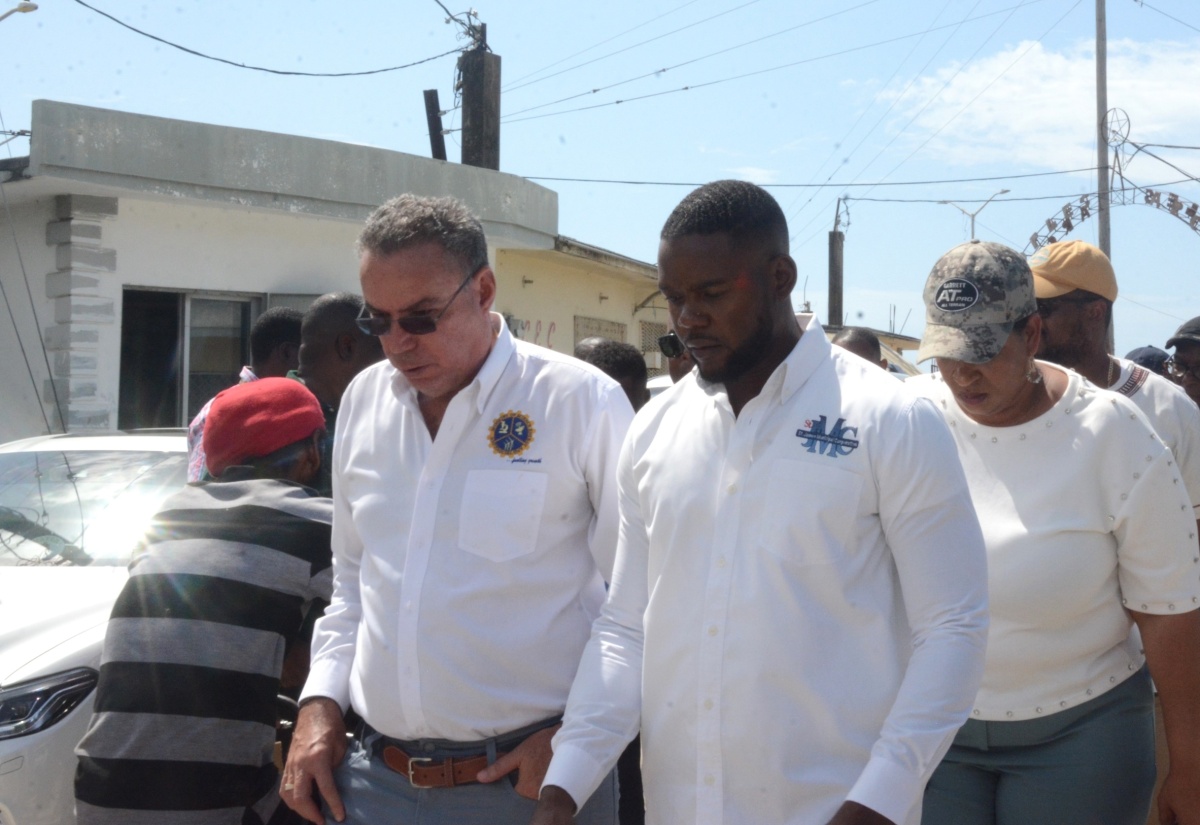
[[185, 711]]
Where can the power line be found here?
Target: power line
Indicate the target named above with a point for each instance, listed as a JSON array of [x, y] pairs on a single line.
[[634, 46], [12, 224], [261, 68], [666, 69], [1170, 146], [1164, 14], [779, 67], [887, 111], [598, 45], [1073, 195], [825, 185]]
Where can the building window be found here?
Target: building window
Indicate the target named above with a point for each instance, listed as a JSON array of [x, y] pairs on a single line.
[[177, 351], [586, 327], [655, 363]]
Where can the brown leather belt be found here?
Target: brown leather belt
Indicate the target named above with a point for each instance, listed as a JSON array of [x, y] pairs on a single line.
[[423, 772]]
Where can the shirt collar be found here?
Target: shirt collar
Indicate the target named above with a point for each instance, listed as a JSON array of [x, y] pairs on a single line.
[[812, 350]]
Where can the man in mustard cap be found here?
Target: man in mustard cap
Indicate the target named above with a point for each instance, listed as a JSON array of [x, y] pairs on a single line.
[[1075, 287]]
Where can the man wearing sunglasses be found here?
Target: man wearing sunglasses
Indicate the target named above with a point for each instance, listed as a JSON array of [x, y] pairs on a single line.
[[475, 527], [1184, 365], [1075, 287]]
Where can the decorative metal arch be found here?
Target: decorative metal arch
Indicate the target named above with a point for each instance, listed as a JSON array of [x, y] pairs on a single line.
[[1075, 213]]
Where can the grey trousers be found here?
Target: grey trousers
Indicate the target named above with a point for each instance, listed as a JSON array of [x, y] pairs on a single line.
[[376, 795], [1088, 765]]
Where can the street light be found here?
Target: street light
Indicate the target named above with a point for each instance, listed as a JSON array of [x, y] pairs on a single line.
[[21, 7], [972, 215]]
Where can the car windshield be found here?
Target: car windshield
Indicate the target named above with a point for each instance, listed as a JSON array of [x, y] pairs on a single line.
[[81, 507]]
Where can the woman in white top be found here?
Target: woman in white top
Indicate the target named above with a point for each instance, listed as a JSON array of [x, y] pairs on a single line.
[[1089, 532]]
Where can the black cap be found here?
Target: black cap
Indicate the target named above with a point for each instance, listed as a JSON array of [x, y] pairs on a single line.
[[1152, 358], [1188, 332]]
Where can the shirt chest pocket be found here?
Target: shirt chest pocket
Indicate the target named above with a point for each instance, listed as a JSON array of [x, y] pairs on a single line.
[[501, 513], [809, 511]]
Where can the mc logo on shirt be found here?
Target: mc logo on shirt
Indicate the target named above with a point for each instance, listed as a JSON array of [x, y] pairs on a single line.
[[834, 443]]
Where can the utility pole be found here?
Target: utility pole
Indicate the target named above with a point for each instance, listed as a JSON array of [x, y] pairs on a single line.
[[1102, 213], [480, 71], [433, 118], [837, 245]]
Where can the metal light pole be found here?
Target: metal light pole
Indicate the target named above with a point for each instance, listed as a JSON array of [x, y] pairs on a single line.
[[21, 7], [972, 215], [1102, 212]]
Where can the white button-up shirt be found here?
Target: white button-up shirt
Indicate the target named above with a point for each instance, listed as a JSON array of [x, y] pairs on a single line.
[[807, 585], [468, 568]]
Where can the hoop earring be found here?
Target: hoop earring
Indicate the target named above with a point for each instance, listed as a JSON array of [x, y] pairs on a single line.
[[1033, 375]]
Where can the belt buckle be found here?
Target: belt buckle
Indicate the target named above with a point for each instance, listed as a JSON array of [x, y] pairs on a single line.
[[412, 761]]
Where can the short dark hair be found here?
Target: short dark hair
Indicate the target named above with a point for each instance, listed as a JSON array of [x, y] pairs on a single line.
[[278, 325], [335, 313], [742, 209], [617, 360], [279, 463], [861, 338], [410, 220]]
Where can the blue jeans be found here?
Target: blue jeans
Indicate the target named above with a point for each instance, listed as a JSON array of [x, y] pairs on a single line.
[[1088, 765], [374, 794]]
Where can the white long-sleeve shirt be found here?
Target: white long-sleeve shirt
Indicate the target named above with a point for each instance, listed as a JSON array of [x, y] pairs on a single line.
[[799, 601], [468, 568]]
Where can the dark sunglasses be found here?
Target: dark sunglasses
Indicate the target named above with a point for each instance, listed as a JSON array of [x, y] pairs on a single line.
[[1178, 370], [1048, 306], [670, 345], [380, 325]]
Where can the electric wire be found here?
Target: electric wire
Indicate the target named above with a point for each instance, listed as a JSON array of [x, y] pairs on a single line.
[[767, 70], [634, 46], [886, 112], [33, 310], [1141, 148], [598, 45], [961, 68], [262, 68], [960, 111], [822, 185], [1144, 4], [1026, 198], [664, 70]]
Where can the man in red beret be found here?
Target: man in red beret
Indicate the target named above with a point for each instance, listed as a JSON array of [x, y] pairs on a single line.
[[184, 720]]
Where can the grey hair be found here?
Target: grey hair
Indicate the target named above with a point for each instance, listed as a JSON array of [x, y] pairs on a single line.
[[410, 220]]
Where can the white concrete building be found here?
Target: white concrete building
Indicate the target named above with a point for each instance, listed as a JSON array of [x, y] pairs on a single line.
[[135, 252]]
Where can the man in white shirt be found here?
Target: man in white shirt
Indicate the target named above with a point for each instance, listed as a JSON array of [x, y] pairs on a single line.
[[1075, 287], [798, 614], [474, 527]]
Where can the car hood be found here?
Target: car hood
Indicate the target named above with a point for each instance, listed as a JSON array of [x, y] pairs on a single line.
[[53, 618]]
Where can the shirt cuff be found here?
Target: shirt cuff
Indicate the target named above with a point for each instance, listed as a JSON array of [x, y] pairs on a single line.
[[888, 789], [325, 679], [576, 772]]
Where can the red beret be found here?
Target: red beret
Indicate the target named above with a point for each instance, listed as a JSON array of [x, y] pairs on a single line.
[[257, 418]]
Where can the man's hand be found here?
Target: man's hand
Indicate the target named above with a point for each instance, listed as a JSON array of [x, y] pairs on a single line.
[[318, 746], [851, 813], [555, 807], [530, 759], [1179, 799]]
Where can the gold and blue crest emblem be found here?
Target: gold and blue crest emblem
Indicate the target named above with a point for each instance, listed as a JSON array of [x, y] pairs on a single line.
[[511, 434]]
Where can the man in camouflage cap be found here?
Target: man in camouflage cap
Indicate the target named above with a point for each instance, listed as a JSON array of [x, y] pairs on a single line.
[[973, 297]]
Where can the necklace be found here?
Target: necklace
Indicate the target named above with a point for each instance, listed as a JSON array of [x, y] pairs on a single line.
[[1110, 372]]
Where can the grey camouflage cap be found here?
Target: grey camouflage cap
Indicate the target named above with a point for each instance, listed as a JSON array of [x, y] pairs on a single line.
[[975, 293]]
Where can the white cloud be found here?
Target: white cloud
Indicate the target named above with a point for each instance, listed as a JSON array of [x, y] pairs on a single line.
[[1039, 110], [755, 174]]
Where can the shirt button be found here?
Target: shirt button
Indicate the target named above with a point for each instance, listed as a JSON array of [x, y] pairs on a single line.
[[720, 561], [708, 704], [712, 631], [732, 488], [710, 780]]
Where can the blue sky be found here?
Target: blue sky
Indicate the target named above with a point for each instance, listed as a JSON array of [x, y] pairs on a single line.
[[780, 92]]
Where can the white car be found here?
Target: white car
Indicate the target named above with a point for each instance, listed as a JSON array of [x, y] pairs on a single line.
[[72, 508]]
